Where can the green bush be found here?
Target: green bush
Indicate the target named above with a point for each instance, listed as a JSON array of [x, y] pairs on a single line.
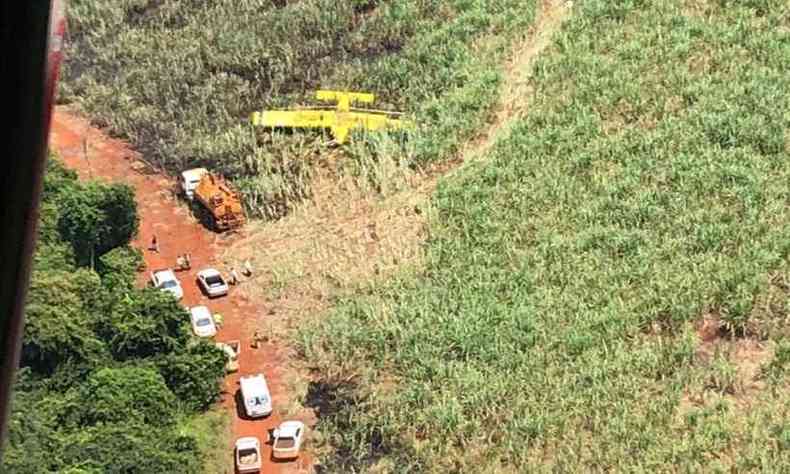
[[119, 266], [98, 355], [130, 447], [95, 218], [59, 326], [144, 324], [124, 394], [194, 376]]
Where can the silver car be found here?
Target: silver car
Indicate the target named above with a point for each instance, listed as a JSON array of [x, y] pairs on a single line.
[[212, 282]]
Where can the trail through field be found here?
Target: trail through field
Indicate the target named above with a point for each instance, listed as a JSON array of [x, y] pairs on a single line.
[[348, 236], [516, 90], [95, 156]]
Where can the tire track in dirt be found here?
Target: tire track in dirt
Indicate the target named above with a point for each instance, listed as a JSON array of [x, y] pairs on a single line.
[[95, 156]]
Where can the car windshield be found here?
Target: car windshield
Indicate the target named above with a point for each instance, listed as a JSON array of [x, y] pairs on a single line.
[[203, 322], [214, 280], [169, 284]]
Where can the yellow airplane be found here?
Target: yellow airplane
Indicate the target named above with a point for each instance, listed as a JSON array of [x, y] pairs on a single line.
[[340, 120]]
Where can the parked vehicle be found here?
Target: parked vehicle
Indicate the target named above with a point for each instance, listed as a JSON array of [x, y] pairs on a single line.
[[255, 396], [215, 194], [166, 280], [188, 181], [212, 282], [232, 349], [287, 440], [202, 322], [248, 454]]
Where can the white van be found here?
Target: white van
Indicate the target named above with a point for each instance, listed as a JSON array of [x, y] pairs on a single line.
[[256, 397], [189, 180]]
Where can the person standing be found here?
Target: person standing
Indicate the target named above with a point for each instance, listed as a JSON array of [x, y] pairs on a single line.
[[234, 277], [247, 268], [154, 244]]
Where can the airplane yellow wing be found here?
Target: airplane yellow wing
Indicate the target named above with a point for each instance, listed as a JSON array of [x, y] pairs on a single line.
[[340, 120], [292, 118]]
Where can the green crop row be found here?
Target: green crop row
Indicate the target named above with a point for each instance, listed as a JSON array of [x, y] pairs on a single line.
[[554, 327]]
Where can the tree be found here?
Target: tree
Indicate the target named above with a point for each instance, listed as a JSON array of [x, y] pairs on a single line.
[[96, 218], [136, 394], [130, 447], [121, 220], [118, 268], [145, 323], [59, 325], [194, 376], [57, 179], [32, 444]]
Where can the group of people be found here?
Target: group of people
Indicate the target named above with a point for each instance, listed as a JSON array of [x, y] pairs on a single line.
[[184, 262], [234, 276]]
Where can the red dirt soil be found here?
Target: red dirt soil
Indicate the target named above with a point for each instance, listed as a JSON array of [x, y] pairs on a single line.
[[161, 214]]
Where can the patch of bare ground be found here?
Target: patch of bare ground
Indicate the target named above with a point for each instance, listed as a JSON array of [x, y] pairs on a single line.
[[728, 367]]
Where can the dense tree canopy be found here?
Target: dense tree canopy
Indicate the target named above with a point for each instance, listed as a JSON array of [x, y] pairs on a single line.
[[107, 370]]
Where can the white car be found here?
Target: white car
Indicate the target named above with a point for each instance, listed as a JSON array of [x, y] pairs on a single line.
[[287, 440], [212, 282], [202, 322], [248, 454], [166, 280]]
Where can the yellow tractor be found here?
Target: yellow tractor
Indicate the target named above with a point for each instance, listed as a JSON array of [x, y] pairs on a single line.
[[339, 120]]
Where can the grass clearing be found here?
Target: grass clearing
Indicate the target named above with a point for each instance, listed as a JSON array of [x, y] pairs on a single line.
[[555, 325]]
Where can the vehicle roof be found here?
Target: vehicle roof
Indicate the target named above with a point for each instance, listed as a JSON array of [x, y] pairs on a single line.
[[247, 442], [165, 274], [194, 173], [207, 272], [199, 311], [288, 428], [254, 383]]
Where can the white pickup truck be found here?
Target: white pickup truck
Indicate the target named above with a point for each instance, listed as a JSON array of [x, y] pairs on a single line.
[[248, 455], [287, 440]]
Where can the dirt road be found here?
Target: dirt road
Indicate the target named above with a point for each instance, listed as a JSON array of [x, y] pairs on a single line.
[[95, 156]]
